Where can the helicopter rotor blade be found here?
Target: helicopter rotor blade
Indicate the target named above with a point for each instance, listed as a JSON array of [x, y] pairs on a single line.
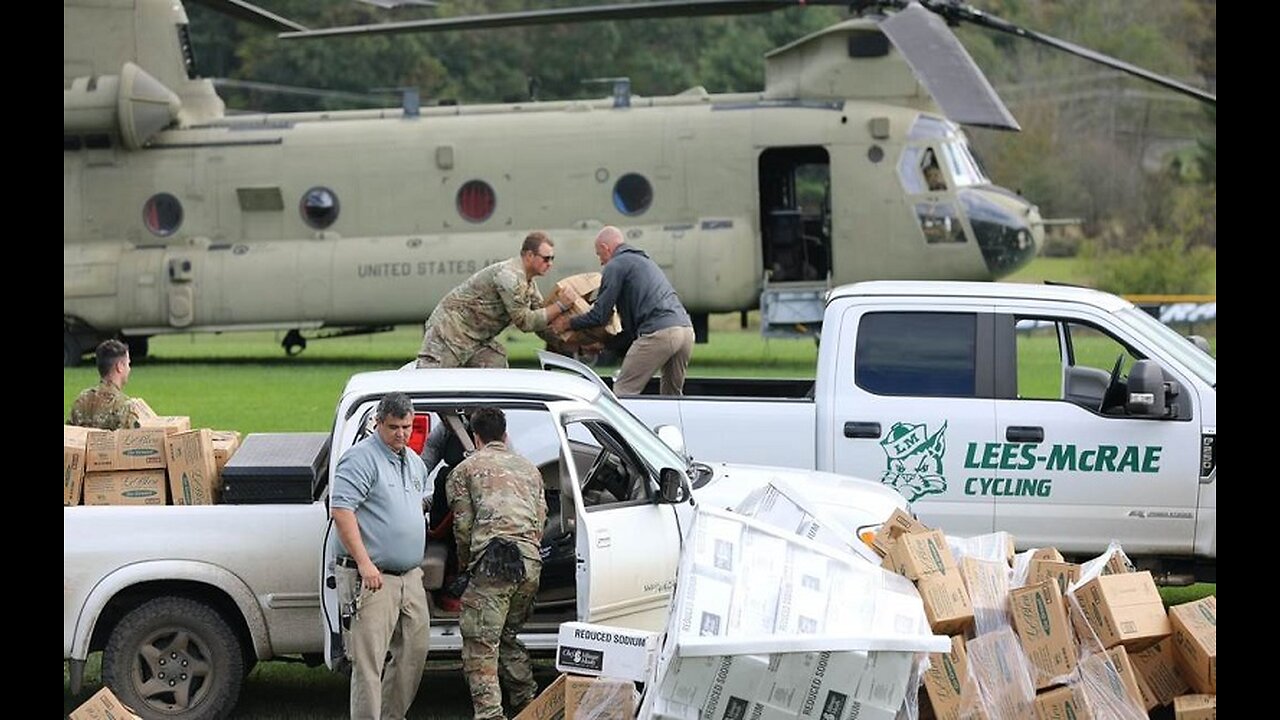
[[946, 69], [619, 11], [250, 13], [955, 11]]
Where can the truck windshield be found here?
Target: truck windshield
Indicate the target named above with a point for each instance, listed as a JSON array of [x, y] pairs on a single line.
[[646, 444], [1204, 365]]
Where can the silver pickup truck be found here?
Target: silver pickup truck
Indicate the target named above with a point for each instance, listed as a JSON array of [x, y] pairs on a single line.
[[183, 600]]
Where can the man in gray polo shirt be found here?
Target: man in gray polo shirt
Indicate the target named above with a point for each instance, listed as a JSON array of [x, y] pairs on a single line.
[[376, 503]]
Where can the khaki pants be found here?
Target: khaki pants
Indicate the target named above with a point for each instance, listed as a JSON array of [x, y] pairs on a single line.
[[668, 349], [436, 353], [396, 618]]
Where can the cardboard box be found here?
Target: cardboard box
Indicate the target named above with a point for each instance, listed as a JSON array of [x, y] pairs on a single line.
[[1110, 684], [1062, 703], [899, 522], [169, 423], [1117, 564], [103, 705], [587, 285], [946, 603], [589, 649], [917, 554], [599, 698], [1064, 573], [549, 705], [141, 409], [1195, 707], [988, 584], [1040, 620], [1195, 638], [1158, 674], [1002, 672], [136, 449], [944, 681], [225, 444], [193, 472], [74, 440], [1046, 553], [1124, 609], [126, 487]]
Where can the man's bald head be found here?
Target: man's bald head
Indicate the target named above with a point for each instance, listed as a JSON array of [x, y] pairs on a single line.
[[607, 241]]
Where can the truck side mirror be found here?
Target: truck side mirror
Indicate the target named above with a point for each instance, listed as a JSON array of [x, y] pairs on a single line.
[[1200, 342], [1146, 388], [673, 485]]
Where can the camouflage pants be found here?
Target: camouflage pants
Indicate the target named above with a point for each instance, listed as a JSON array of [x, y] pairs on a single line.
[[436, 353], [493, 612]]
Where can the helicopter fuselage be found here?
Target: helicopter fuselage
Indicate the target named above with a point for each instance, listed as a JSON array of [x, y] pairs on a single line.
[[355, 218]]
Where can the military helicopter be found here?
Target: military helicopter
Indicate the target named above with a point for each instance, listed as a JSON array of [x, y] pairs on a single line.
[[851, 164]]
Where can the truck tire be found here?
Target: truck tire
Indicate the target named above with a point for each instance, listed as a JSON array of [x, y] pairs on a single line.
[[174, 658]]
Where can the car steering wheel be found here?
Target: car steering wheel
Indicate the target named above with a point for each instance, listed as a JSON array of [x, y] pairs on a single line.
[[1110, 395]]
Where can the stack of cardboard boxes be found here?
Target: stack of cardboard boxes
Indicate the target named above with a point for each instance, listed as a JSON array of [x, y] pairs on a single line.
[[163, 462], [1037, 641], [600, 667]]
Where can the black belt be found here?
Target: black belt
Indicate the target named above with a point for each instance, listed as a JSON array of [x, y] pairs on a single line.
[[349, 562]]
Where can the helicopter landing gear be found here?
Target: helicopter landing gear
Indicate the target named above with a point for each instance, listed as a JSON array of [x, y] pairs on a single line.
[[71, 351], [139, 346], [293, 343]]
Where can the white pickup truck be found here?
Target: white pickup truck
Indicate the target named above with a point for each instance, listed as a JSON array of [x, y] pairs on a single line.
[[183, 600], [992, 406]]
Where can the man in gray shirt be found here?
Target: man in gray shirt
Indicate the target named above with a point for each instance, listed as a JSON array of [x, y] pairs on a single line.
[[376, 504], [650, 310]]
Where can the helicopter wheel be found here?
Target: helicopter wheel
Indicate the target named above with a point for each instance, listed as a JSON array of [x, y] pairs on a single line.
[[293, 343], [139, 346], [71, 351]]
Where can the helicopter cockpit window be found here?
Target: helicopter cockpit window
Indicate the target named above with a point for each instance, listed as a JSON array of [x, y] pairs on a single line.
[[162, 214], [964, 168], [319, 207], [927, 127], [940, 223], [632, 194], [909, 170], [933, 177], [476, 201]]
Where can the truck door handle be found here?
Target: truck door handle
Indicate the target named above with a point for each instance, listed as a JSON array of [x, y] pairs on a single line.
[[1024, 433], [862, 430]]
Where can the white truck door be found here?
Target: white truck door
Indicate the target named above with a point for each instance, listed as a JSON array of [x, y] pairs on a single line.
[[1067, 472], [627, 545], [911, 390]]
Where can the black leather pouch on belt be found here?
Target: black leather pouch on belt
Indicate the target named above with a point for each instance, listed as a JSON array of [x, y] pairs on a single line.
[[502, 560]]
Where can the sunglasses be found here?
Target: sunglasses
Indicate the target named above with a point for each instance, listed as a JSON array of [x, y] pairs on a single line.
[[548, 258]]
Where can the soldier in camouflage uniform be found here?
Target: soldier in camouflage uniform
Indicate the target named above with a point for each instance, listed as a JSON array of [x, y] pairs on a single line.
[[499, 512], [462, 330], [106, 407]]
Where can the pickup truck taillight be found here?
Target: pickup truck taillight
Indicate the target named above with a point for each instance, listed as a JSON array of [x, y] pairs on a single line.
[[421, 428]]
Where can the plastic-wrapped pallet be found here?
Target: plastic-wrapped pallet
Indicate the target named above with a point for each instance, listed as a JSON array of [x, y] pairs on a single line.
[[769, 623]]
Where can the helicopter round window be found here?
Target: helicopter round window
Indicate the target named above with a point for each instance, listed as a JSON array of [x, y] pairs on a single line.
[[162, 214], [319, 207], [476, 201], [632, 194]]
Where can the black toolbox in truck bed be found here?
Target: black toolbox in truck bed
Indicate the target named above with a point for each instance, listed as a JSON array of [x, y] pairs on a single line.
[[276, 468]]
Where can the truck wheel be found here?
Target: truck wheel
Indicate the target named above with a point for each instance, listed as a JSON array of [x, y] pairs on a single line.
[[174, 658]]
